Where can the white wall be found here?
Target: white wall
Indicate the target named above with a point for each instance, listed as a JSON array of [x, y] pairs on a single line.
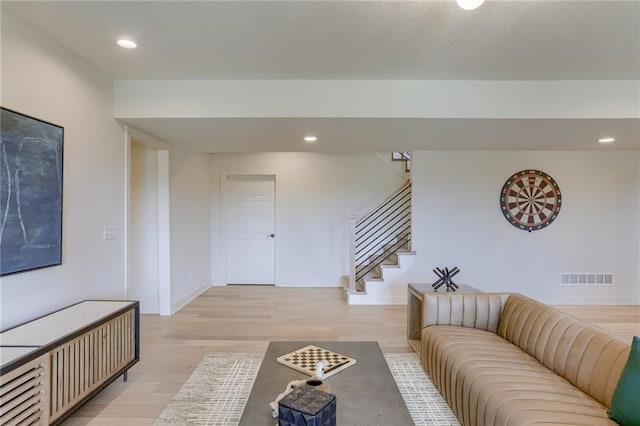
[[41, 79], [457, 221], [142, 283], [315, 194], [190, 226]]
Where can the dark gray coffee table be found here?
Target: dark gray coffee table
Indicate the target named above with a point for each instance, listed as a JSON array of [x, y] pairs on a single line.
[[366, 392]]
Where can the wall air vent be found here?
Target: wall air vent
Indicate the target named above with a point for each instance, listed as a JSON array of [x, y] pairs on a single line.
[[586, 278]]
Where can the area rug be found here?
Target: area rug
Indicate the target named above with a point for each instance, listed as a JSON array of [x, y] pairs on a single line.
[[216, 392]]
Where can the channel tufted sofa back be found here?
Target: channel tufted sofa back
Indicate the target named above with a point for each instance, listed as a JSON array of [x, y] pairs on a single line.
[[589, 358], [481, 310]]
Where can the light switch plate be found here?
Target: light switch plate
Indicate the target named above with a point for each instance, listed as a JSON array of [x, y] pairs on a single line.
[[110, 233]]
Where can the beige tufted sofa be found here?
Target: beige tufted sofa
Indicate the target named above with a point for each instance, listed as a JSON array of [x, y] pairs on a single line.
[[505, 359]]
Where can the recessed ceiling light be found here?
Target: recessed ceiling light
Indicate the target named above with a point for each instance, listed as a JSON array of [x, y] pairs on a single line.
[[607, 140], [310, 139], [469, 4], [127, 43]]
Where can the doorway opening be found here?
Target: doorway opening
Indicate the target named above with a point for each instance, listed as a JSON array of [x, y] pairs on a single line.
[[147, 270]]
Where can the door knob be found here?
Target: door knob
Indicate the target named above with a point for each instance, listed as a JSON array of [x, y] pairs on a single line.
[[271, 235]]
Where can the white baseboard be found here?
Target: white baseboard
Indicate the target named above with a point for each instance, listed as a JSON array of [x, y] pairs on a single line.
[[289, 285], [188, 298]]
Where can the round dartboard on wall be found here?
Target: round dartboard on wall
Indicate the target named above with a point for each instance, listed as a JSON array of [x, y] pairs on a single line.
[[530, 200]]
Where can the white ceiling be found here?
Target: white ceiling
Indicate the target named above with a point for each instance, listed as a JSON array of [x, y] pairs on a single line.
[[423, 40], [368, 40]]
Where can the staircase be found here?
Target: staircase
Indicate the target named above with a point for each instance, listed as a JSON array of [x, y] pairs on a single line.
[[399, 162], [380, 251], [402, 156]]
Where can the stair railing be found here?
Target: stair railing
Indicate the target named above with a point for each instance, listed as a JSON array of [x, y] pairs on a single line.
[[379, 235], [352, 254], [402, 156]]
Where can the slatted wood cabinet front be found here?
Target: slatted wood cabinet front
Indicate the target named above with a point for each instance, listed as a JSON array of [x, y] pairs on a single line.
[[23, 394], [67, 371]]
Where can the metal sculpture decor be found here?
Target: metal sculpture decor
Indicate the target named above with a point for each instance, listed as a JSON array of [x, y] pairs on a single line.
[[445, 277]]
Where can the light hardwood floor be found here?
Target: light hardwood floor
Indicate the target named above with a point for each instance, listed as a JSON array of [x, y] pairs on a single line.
[[245, 319]]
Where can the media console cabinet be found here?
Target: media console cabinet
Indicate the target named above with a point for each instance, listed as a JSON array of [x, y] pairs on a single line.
[[52, 365]]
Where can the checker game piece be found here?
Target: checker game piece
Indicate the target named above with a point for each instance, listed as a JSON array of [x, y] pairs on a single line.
[[306, 359], [306, 406], [530, 200]]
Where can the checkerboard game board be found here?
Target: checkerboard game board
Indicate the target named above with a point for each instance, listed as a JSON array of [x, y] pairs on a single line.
[[306, 359]]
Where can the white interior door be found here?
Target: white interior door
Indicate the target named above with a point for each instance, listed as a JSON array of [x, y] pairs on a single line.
[[250, 201]]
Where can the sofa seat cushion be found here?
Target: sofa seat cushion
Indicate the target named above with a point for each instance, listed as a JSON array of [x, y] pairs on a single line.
[[489, 381]]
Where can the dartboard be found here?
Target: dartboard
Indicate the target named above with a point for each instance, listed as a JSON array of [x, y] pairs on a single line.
[[530, 200]]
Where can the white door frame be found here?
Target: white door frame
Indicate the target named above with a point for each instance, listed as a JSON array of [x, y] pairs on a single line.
[[225, 217], [164, 253]]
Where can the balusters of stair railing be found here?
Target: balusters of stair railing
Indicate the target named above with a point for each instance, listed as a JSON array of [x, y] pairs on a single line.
[[352, 254], [379, 234]]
